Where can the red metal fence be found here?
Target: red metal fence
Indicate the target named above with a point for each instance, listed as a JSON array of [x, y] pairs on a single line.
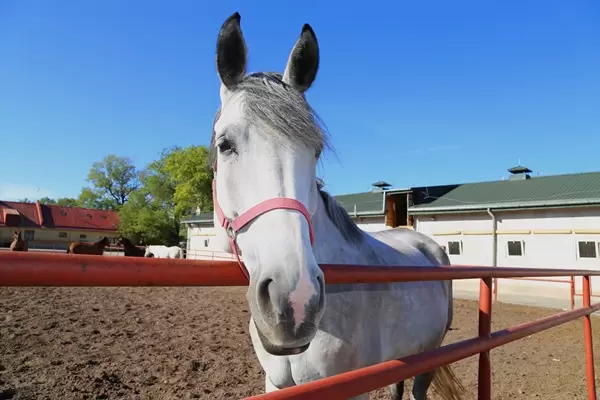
[[570, 281], [31, 269]]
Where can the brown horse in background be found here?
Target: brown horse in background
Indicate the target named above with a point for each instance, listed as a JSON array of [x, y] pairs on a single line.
[[18, 244], [131, 250], [96, 248]]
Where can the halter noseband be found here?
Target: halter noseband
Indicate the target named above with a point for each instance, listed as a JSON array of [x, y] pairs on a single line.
[[233, 226]]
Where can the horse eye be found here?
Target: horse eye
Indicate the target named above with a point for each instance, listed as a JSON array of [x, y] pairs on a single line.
[[225, 146]]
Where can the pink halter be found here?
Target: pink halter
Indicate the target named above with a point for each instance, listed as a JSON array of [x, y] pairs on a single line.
[[232, 226]]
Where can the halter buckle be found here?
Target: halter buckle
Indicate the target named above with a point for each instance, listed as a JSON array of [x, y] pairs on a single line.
[[231, 232]]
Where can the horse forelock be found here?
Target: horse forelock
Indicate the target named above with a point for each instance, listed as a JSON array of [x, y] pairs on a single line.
[[269, 102]]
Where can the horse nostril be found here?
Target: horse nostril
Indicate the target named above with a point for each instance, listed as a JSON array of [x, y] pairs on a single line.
[[321, 292], [264, 296]]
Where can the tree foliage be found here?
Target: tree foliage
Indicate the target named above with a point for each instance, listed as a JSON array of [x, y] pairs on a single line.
[[67, 202], [190, 173], [113, 179], [150, 202], [61, 201], [170, 187]]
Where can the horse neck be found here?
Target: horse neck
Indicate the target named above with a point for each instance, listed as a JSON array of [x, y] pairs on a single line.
[[331, 247]]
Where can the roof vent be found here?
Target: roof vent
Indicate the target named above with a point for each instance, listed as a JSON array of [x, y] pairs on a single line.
[[89, 215], [519, 173], [380, 186], [63, 213]]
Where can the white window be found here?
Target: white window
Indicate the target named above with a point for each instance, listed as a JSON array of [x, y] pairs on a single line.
[[515, 248], [29, 235], [454, 248], [83, 237], [62, 235], [587, 249]]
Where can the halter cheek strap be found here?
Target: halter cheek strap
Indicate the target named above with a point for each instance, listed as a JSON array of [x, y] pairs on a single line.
[[232, 226]]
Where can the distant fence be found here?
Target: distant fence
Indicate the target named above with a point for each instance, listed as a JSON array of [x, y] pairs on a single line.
[[568, 281], [108, 251]]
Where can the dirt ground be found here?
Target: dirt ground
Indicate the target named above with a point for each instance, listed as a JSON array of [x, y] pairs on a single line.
[[193, 343]]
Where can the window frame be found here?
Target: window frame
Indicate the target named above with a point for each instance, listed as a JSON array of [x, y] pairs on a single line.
[[521, 247], [460, 248], [596, 249]]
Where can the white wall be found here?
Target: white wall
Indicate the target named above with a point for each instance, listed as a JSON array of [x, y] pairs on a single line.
[[198, 243], [371, 224], [199, 237], [550, 241]]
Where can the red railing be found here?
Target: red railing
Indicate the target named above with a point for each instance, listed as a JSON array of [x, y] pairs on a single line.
[[36, 269]]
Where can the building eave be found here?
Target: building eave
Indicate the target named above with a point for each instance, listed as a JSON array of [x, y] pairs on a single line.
[[513, 206]]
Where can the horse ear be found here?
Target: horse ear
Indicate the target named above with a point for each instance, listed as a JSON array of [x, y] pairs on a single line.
[[231, 52], [303, 63]]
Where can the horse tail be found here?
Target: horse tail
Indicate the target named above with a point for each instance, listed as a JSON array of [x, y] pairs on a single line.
[[446, 384]]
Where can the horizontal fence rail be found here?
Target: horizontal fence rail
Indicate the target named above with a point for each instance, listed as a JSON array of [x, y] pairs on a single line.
[[39, 269], [360, 381]]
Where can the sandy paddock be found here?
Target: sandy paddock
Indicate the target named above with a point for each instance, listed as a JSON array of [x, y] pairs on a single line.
[[193, 343]]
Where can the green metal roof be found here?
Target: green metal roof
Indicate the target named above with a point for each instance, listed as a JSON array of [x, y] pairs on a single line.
[[367, 203], [206, 217], [546, 191]]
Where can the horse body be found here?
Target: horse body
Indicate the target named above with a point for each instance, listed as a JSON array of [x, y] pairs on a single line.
[[366, 324], [94, 248], [161, 251], [18, 244], [271, 209], [130, 249]]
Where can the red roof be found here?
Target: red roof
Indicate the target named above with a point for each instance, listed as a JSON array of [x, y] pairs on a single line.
[[36, 215]]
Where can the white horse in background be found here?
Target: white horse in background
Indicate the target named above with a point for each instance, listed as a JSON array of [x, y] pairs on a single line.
[[271, 210], [160, 251]]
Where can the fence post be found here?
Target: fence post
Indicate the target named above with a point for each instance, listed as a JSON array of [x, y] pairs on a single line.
[[572, 284], [495, 290], [485, 328], [587, 338]]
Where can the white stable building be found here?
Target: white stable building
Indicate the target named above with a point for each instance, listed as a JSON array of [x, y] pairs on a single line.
[[524, 221], [378, 209]]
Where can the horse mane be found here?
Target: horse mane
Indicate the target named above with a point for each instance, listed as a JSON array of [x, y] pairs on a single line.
[[291, 118], [340, 217]]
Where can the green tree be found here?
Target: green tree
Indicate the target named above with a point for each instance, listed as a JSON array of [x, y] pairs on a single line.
[[67, 202], [175, 184], [190, 173], [92, 198], [47, 200], [148, 216], [113, 179]]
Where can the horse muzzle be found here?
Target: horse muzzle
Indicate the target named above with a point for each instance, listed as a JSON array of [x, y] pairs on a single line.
[[286, 321]]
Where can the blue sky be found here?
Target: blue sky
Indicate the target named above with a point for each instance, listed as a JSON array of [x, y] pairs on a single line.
[[414, 93]]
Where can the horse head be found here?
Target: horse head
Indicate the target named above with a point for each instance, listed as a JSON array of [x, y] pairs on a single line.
[[265, 144], [148, 252]]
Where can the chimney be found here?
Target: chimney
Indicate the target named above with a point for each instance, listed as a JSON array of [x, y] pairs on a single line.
[[519, 173], [38, 206], [380, 186]]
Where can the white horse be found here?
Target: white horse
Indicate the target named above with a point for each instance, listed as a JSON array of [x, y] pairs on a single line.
[[160, 251], [270, 208]]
